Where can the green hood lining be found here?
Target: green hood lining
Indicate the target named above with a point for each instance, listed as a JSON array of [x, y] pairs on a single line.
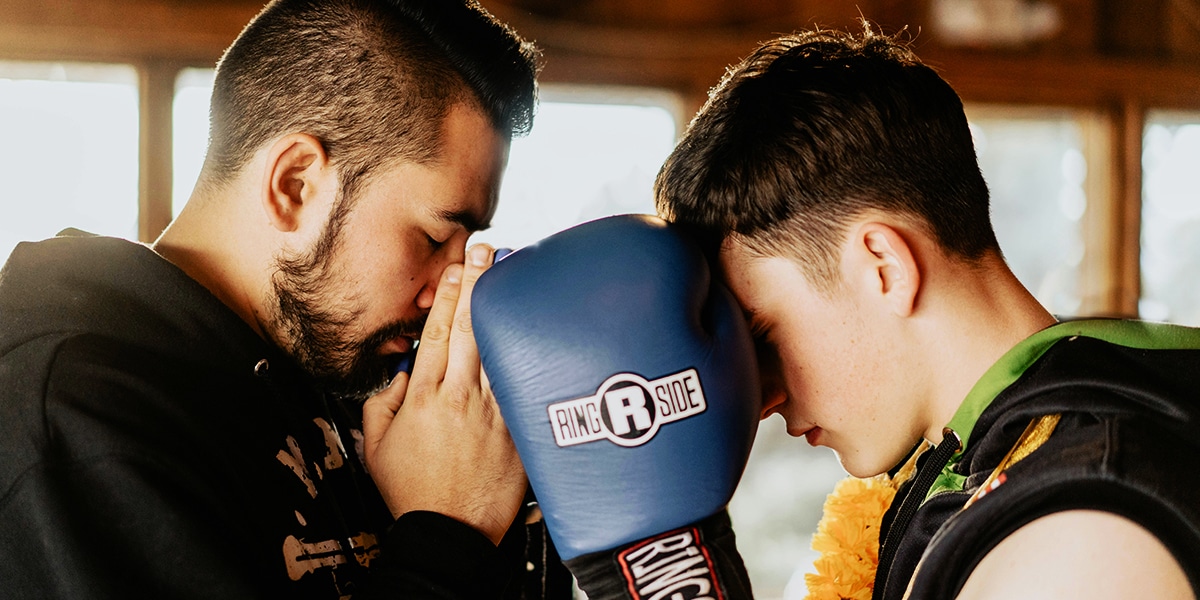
[[1010, 367]]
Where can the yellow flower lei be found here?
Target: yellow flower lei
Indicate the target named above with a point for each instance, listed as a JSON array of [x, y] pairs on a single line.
[[848, 536]]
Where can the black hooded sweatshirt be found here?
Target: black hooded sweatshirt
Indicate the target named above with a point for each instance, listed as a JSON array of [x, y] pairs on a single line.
[[154, 446]]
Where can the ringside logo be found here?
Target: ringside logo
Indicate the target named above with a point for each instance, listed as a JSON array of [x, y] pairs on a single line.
[[627, 409], [672, 566]]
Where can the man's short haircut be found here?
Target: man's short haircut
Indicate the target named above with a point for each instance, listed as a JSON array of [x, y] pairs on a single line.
[[816, 128], [372, 79]]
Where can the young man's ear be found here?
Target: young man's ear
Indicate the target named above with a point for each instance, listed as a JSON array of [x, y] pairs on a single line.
[[297, 182], [888, 266]]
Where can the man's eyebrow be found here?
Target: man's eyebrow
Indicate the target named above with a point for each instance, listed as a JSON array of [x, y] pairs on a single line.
[[464, 218]]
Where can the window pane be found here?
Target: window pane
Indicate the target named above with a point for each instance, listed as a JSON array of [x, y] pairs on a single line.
[[1035, 169], [70, 151], [190, 132], [1171, 218], [592, 152]]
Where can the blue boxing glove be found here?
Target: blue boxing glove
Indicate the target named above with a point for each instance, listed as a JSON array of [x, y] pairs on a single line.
[[627, 377]]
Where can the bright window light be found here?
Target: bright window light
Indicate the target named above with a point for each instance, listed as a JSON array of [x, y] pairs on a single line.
[[70, 151], [1171, 218], [1033, 162], [591, 153], [190, 132]]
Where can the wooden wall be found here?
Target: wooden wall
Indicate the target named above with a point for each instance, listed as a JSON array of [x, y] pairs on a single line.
[[1102, 49]]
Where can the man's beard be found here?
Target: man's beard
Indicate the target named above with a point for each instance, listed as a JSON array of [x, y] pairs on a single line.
[[317, 332]]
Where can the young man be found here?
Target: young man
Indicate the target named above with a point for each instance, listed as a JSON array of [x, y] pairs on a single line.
[[178, 420], [836, 180]]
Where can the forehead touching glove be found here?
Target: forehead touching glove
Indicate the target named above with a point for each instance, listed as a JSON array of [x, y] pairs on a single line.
[[627, 377]]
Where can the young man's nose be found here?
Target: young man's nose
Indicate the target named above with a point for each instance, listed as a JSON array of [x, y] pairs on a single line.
[[773, 398]]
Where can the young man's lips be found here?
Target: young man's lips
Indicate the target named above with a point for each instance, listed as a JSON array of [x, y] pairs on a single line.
[[811, 435]]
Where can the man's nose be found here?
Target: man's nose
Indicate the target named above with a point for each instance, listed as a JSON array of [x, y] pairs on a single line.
[[452, 252]]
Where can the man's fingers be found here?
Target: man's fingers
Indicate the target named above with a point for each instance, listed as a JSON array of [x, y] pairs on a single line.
[[379, 411], [430, 364], [463, 365], [490, 402]]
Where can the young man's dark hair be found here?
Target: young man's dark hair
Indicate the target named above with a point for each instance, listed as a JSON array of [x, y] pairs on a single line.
[[817, 127]]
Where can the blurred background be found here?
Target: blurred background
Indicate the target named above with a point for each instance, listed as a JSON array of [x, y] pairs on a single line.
[[1086, 115]]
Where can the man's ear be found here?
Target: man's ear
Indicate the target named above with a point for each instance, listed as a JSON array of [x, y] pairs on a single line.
[[296, 180], [889, 266]]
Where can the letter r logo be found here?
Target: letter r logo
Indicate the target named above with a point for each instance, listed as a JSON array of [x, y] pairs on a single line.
[[623, 409], [628, 403]]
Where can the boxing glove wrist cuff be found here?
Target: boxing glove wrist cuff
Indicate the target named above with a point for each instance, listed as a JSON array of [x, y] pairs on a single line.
[[697, 562]]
